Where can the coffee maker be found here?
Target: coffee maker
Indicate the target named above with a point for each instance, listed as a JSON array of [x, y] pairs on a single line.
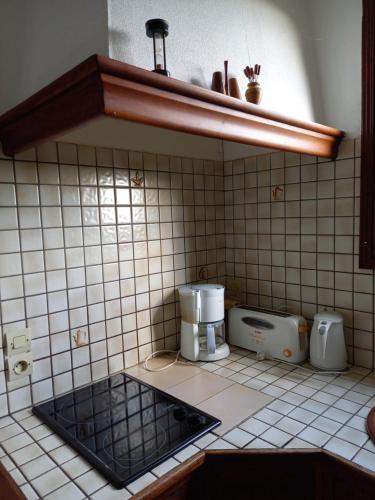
[[202, 322]]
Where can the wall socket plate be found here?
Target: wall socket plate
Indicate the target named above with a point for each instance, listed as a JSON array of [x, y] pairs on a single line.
[[18, 341], [19, 366]]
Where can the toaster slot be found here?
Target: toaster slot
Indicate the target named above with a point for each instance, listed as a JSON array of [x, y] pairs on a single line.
[[260, 324]]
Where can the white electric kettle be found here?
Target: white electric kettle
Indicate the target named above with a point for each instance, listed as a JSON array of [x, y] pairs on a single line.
[[327, 342]]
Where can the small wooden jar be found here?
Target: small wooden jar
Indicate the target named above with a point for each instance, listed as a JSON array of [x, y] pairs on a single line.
[[254, 93]]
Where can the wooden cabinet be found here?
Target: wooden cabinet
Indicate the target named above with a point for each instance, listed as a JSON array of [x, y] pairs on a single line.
[[309, 474], [8, 488]]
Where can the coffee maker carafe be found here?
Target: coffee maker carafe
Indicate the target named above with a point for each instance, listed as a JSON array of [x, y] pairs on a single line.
[[202, 322]]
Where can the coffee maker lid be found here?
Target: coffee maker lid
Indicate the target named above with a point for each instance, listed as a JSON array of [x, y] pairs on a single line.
[[329, 316], [207, 289]]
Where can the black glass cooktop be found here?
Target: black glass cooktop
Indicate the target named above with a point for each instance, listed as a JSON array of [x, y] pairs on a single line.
[[123, 426]]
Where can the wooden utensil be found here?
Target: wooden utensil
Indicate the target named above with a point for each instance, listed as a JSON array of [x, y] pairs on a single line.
[[226, 85], [234, 89], [217, 82]]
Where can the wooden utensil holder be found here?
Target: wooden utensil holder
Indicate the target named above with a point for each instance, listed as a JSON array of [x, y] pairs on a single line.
[[254, 93]]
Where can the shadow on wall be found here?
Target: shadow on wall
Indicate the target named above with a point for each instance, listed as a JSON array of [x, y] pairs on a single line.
[[119, 38], [205, 33]]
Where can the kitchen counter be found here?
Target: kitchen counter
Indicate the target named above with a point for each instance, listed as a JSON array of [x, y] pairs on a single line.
[[263, 404]]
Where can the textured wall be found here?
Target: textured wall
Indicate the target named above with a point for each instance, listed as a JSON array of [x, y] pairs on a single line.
[[310, 51], [203, 34], [336, 39]]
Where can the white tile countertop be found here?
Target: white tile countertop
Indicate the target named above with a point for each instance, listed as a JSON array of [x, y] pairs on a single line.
[[302, 410]]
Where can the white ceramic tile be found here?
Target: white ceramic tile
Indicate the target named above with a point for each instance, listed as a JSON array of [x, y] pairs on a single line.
[[7, 195], [259, 444], [326, 424], [6, 421], [292, 398], [19, 398], [268, 416], [7, 463], [366, 459], [26, 454], [289, 425], [88, 176], [18, 477], [37, 467], [238, 437], [276, 437], [204, 441], [16, 442], [10, 264], [31, 239], [67, 491], [26, 172], [352, 435], [186, 453], [62, 454], [90, 481], [358, 423], [67, 153], [338, 415], [314, 436], [342, 448], [42, 390], [298, 443], [86, 155], [314, 406], [8, 218], [48, 172], [29, 217], [76, 467], [141, 483], [110, 493], [11, 288], [220, 444], [165, 467], [49, 482], [27, 195], [6, 171], [254, 426], [9, 431], [51, 442]]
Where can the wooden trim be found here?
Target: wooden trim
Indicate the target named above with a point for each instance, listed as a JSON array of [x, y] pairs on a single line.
[[367, 217], [370, 424], [103, 87], [8, 487]]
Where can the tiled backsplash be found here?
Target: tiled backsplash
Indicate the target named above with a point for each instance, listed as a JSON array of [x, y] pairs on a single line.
[[98, 240], [292, 226]]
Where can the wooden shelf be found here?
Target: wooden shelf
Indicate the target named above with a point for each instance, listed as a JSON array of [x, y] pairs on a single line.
[[100, 86]]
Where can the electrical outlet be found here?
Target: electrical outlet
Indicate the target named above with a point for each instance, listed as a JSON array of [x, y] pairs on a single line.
[[18, 341], [19, 366]]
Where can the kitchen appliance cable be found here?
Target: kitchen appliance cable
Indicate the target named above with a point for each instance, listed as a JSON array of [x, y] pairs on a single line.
[[262, 356], [163, 351]]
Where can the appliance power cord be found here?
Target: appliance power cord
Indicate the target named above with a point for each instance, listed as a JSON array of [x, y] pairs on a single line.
[[262, 356], [164, 351]]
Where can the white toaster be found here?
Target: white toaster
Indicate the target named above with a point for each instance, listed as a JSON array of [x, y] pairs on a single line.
[[273, 333]]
